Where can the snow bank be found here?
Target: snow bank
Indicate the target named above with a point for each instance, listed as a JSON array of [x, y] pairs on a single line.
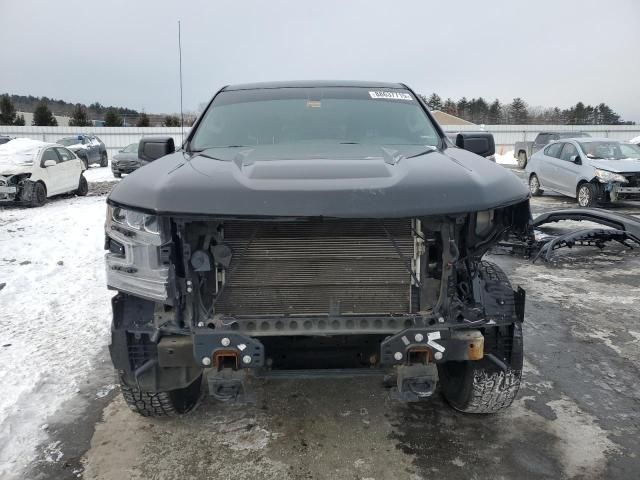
[[20, 151], [54, 319], [506, 158], [100, 174], [635, 140]]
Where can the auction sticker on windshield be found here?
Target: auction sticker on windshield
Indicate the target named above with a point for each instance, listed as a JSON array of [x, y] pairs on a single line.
[[379, 94]]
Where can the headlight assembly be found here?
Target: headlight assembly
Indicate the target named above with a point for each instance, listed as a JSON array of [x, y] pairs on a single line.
[[606, 176], [134, 220], [135, 257]]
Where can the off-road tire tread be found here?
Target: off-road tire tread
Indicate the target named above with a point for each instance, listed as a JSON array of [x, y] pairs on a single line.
[[149, 404], [492, 392]]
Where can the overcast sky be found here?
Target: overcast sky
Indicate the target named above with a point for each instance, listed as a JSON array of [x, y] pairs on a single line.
[[124, 52]]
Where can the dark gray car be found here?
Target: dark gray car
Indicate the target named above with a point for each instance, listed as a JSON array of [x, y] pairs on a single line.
[[301, 218], [89, 148], [126, 160]]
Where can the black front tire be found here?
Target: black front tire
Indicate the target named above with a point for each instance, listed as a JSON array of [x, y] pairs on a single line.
[[587, 195], [162, 404], [480, 386], [104, 159], [522, 160], [117, 174], [534, 186], [38, 195], [83, 187]]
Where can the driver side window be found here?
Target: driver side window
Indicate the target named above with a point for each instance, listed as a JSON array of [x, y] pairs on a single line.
[[50, 154], [553, 150], [568, 151]]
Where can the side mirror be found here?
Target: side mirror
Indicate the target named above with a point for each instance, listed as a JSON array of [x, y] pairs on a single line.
[[480, 143], [152, 148], [576, 159], [50, 163]]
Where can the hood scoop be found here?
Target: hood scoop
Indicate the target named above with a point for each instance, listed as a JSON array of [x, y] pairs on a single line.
[[314, 170]]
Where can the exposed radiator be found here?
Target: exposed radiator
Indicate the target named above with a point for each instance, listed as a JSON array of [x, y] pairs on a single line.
[[317, 268]]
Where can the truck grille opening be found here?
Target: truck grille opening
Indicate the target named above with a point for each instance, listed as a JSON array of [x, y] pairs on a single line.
[[318, 267]]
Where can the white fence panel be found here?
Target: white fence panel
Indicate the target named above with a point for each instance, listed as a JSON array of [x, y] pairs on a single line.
[[116, 138], [507, 135]]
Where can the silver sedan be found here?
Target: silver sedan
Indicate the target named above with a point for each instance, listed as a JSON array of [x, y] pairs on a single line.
[[592, 170]]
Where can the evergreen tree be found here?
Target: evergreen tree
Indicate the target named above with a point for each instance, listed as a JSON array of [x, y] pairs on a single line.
[[518, 112], [19, 121], [606, 116], [494, 117], [450, 107], [143, 120], [79, 117], [463, 108], [578, 114], [112, 119], [171, 121], [7, 111], [434, 102], [42, 116], [478, 110]]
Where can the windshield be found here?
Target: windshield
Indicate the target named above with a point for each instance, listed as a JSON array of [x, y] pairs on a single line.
[[339, 115], [68, 141], [131, 148], [610, 150]]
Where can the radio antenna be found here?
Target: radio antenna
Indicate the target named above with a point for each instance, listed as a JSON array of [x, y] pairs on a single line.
[[180, 54]]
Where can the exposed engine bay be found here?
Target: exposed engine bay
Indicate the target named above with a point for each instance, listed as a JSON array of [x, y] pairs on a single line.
[[271, 277]]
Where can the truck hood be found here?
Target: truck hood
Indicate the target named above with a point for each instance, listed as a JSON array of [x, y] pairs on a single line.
[[347, 181], [626, 165]]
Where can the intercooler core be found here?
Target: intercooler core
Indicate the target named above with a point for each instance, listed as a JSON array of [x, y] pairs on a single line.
[[318, 267]]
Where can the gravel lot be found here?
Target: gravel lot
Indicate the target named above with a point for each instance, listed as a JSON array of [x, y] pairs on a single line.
[[577, 415]]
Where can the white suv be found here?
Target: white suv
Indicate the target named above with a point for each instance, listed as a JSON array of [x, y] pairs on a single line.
[[31, 171]]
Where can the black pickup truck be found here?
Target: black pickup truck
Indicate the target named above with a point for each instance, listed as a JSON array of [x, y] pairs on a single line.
[[522, 151], [305, 217]]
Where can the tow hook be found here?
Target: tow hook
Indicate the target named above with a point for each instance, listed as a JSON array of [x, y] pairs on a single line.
[[415, 382]]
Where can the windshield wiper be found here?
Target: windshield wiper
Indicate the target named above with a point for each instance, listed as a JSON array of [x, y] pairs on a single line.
[[431, 149]]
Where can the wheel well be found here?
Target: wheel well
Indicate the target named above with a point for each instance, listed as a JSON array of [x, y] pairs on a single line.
[[580, 183], [41, 182], [522, 151], [532, 174]]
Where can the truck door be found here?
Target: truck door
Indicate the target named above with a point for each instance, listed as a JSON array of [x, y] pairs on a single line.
[[541, 140]]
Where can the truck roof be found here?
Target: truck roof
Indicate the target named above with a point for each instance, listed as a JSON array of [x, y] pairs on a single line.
[[314, 84]]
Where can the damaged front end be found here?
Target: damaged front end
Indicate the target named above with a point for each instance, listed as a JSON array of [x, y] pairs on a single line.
[[232, 295], [16, 187]]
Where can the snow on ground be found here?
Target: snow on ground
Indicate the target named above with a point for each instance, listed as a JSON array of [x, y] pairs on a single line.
[[506, 158], [100, 174], [55, 315], [635, 140]]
